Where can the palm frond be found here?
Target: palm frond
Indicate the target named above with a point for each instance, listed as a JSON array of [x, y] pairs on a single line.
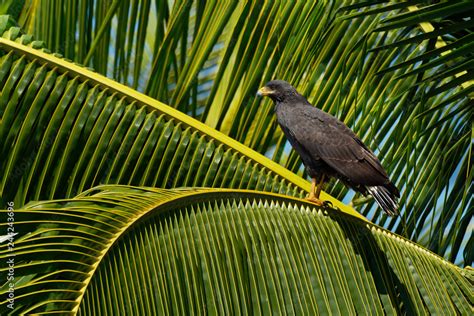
[[65, 129], [218, 251]]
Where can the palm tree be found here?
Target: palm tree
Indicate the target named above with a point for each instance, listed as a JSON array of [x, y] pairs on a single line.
[[66, 129]]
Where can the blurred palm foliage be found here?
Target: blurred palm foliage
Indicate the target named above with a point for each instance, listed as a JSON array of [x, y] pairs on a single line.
[[399, 74], [65, 129]]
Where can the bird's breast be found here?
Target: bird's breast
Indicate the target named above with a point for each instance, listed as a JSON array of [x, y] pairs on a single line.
[[291, 116]]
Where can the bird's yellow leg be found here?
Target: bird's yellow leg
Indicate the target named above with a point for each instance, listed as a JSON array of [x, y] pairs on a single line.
[[319, 187], [315, 191]]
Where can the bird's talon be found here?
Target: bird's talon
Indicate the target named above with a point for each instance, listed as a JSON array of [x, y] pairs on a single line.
[[316, 201]]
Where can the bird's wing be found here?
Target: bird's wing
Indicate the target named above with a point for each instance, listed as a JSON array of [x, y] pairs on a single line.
[[323, 136]]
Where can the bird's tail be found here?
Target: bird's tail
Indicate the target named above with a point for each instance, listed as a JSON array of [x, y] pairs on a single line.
[[387, 198]]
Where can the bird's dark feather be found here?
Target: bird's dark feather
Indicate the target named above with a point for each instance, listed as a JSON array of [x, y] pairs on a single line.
[[318, 135]]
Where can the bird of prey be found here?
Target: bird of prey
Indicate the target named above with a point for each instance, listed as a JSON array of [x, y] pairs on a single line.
[[328, 148]]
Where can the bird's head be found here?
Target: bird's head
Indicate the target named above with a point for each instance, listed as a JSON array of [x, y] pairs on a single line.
[[278, 90]]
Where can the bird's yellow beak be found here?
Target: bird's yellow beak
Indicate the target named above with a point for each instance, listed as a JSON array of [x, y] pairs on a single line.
[[264, 91]]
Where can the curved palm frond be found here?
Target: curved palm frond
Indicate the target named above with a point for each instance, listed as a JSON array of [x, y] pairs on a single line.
[[145, 250], [65, 129]]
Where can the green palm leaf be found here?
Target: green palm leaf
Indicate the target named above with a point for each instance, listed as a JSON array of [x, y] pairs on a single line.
[[65, 129], [218, 251]]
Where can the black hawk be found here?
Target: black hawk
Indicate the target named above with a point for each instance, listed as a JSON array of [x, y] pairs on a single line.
[[328, 148]]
